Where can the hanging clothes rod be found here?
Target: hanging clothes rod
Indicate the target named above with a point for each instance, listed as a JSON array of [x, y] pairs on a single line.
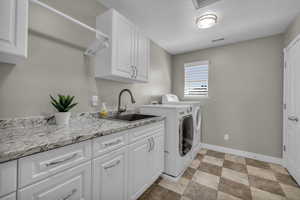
[[99, 35]]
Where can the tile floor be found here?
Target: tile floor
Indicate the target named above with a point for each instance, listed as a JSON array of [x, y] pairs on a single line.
[[218, 176]]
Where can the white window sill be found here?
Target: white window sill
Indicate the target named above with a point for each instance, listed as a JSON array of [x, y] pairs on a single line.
[[195, 97]]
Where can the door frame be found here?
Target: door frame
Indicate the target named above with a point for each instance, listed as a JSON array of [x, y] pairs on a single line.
[[284, 110]]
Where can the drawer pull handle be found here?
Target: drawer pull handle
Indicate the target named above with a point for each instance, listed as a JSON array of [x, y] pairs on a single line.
[[61, 161], [69, 195], [150, 144], [113, 165], [113, 143], [153, 141]]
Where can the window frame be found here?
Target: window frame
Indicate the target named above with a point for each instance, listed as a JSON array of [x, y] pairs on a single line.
[[191, 64]]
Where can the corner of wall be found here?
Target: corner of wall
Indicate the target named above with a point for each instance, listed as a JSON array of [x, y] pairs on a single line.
[[292, 31]]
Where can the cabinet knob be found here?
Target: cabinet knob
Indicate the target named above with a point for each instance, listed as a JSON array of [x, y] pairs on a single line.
[[132, 71], [136, 72]]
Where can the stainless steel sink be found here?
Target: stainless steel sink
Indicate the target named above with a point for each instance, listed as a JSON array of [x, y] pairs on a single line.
[[131, 117]]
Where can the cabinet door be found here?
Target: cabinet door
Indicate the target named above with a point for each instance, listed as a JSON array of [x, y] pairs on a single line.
[[72, 184], [110, 176], [142, 57], [9, 197], [123, 55], [138, 175], [156, 156], [8, 177], [13, 30]]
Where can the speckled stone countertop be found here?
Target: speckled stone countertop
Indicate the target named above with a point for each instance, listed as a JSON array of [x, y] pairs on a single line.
[[24, 137]]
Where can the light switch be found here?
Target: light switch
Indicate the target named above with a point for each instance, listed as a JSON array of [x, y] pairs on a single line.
[[94, 101]]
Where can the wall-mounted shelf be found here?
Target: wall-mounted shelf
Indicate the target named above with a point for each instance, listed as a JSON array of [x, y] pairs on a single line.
[[102, 40]]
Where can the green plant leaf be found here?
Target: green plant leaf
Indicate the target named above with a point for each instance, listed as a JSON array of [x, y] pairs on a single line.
[[71, 106], [61, 100], [64, 103]]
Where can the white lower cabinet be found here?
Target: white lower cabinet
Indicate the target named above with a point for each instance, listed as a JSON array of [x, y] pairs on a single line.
[[110, 176], [146, 162], [72, 184], [138, 168], [8, 178], [9, 197], [119, 166], [42, 165], [157, 157]]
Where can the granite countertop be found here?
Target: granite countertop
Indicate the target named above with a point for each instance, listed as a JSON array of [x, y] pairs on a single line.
[[24, 137]]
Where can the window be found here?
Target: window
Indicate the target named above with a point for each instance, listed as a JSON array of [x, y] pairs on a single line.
[[196, 79]]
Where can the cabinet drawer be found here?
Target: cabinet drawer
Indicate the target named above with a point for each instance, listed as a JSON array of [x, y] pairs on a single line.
[[42, 165], [145, 131], [74, 183], [8, 177], [9, 197], [109, 143]]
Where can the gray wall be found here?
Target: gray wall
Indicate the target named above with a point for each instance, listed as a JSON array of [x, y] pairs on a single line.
[[292, 31], [245, 94], [56, 65]]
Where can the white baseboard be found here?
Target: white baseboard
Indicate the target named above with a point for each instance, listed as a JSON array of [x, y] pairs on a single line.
[[246, 154]]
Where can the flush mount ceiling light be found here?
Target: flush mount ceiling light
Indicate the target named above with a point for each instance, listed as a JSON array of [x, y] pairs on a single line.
[[206, 21]]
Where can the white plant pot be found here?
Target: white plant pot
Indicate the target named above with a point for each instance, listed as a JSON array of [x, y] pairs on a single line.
[[62, 118]]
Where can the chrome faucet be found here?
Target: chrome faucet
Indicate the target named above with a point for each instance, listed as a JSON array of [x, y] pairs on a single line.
[[120, 110]]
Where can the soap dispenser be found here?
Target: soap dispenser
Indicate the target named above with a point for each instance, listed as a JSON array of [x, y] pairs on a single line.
[[103, 111]]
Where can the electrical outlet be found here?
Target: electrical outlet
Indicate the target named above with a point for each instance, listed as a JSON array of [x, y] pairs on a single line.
[[226, 137]]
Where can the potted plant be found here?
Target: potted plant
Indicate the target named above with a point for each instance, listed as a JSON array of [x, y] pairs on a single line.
[[63, 105]]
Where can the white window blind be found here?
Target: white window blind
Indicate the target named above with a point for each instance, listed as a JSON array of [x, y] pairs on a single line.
[[196, 79]]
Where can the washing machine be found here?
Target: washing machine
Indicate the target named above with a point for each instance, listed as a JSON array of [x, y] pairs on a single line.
[[171, 99], [179, 136]]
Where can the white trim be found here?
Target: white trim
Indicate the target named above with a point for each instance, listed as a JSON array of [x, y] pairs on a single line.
[[297, 38], [196, 63], [284, 133], [243, 153], [284, 139]]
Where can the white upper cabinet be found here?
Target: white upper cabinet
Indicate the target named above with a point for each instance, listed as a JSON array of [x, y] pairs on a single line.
[[128, 57], [13, 30], [143, 57]]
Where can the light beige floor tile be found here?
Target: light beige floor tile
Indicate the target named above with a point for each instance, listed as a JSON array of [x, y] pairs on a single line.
[[279, 169], [224, 196], [184, 198], [234, 158], [235, 176], [292, 193], [206, 179], [203, 151], [213, 160], [195, 164], [178, 186], [262, 173], [258, 194]]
